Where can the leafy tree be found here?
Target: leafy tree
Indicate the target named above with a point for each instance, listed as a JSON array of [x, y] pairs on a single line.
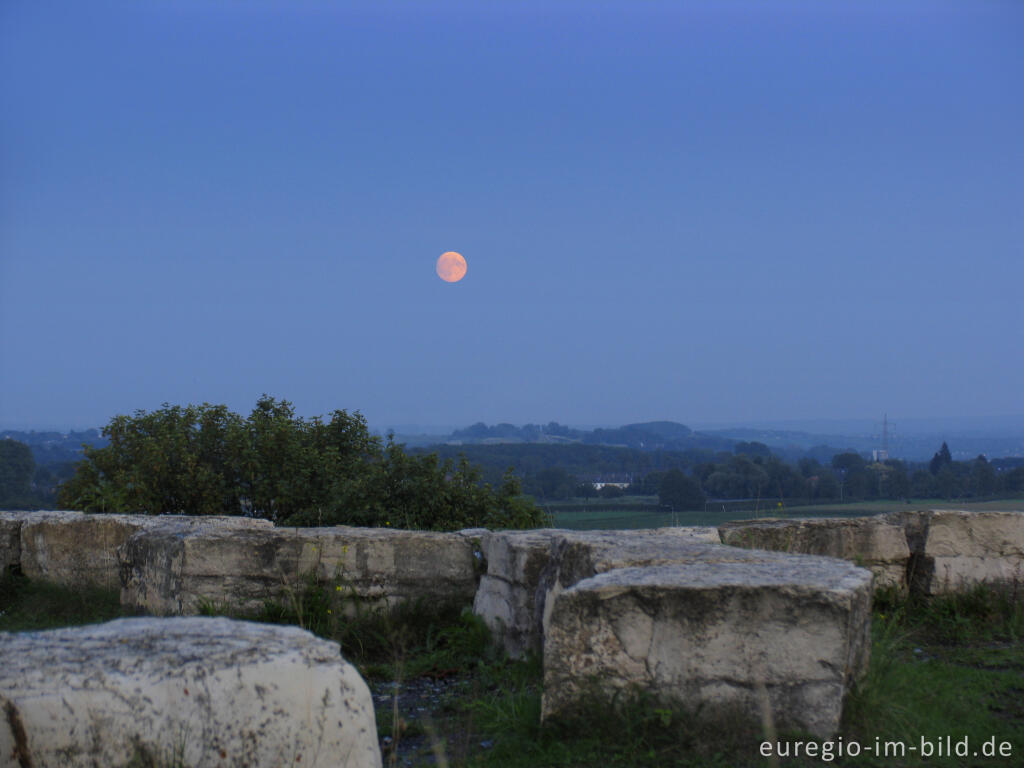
[[650, 484], [680, 492], [207, 460], [809, 467], [849, 461]]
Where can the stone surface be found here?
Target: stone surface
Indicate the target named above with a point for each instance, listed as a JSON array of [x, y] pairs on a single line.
[[74, 548], [875, 543], [169, 570], [525, 568], [196, 692], [10, 540], [955, 549], [789, 633], [11, 522], [507, 596]]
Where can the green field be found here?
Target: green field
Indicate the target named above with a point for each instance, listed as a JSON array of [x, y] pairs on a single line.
[[643, 512]]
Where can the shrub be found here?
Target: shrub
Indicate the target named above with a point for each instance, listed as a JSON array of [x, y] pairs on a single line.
[[205, 460]]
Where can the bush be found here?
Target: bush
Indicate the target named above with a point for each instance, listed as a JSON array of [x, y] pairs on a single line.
[[206, 460]]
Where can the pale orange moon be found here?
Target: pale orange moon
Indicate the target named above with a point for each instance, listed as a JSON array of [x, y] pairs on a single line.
[[451, 267]]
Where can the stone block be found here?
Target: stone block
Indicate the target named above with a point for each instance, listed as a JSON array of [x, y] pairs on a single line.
[[875, 543], [956, 550], [169, 570], [10, 540], [787, 633], [507, 596], [73, 548], [524, 568], [183, 691]]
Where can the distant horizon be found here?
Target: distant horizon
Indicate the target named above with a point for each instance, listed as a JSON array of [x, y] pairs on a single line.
[[920, 426]]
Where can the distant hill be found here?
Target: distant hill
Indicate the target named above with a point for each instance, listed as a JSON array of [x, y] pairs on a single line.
[[792, 444], [56, 447], [646, 436]]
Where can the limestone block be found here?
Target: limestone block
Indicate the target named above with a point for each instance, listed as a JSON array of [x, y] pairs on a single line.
[[956, 549], [524, 568], [169, 570], [10, 540], [506, 597], [195, 691], [788, 634], [10, 544], [872, 542], [74, 548]]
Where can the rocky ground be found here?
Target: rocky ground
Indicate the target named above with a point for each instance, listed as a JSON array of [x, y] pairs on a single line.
[[425, 721]]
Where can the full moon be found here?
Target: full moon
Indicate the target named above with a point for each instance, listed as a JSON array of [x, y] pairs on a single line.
[[451, 267]]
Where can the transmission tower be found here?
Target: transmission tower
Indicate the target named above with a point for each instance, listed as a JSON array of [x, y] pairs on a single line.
[[881, 455]]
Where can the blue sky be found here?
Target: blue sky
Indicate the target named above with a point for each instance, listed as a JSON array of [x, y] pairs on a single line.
[[705, 212]]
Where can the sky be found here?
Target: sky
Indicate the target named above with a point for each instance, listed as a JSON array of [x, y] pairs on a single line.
[[704, 212]]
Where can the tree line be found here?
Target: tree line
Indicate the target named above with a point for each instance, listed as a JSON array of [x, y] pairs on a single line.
[[553, 473], [207, 460]]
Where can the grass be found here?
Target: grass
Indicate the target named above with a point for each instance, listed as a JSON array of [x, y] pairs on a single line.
[[951, 665], [945, 666], [942, 666], [26, 604]]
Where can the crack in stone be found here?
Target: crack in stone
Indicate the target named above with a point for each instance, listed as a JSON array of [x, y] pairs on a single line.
[[21, 751]]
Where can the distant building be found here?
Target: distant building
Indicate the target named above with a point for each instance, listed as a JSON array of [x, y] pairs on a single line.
[[879, 455], [598, 485]]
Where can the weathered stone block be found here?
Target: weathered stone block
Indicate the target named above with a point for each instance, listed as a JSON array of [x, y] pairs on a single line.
[[507, 596], [74, 548], [872, 542], [10, 540], [169, 570], [789, 634], [524, 568], [196, 691], [956, 550]]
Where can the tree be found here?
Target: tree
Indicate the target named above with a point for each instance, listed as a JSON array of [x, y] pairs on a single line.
[[17, 467], [922, 485], [947, 483], [940, 460], [809, 467], [983, 477], [849, 461], [828, 486], [1013, 481], [680, 492], [555, 483], [752, 448], [896, 481], [650, 484], [201, 460]]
